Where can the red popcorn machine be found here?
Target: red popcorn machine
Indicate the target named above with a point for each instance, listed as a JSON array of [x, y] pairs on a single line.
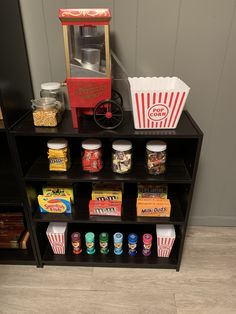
[[88, 66]]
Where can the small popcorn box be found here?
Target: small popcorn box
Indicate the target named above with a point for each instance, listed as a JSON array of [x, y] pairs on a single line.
[[56, 233], [104, 208], [165, 239], [157, 102]]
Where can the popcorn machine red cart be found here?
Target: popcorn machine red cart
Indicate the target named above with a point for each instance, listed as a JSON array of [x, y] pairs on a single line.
[[88, 66]]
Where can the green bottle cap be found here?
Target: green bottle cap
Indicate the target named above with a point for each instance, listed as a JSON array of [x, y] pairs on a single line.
[[89, 237], [103, 237]]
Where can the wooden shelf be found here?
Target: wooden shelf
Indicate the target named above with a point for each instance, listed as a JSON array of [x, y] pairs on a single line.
[[39, 171], [80, 214], [88, 128]]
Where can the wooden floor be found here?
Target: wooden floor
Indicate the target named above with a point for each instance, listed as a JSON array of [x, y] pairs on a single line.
[[206, 283]]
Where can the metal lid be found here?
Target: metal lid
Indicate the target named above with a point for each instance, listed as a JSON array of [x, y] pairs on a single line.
[[122, 145], [50, 86], [156, 146], [91, 144], [57, 143]]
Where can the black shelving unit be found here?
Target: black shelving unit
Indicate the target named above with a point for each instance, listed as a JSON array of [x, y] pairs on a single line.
[[15, 95], [184, 145]]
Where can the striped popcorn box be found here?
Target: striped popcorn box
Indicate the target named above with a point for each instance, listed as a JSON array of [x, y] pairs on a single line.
[[165, 239], [56, 233], [157, 102]]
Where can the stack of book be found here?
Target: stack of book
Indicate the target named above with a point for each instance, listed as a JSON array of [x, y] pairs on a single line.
[[12, 231]]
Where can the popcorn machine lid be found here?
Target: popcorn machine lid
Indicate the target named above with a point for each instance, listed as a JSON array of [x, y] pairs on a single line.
[[84, 16]]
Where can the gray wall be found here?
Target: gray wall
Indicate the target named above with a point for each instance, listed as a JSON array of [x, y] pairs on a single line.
[[192, 39]]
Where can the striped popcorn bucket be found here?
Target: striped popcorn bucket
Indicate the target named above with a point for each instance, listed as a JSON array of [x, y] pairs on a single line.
[[56, 233], [157, 102], [165, 239]]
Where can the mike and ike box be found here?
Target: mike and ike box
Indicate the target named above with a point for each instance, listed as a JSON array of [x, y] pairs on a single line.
[[153, 207]]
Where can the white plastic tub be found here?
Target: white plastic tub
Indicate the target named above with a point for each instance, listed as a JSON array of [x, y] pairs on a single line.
[[165, 239], [157, 102], [56, 233]]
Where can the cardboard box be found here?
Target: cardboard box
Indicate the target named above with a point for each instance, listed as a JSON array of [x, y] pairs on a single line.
[[104, 208], [53, 204], [153, 207], [57, 234], [152, 190], [165, 239], [59, 191]]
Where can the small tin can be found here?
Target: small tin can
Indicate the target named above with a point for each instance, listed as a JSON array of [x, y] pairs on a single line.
[[90, 242], [76, 242], [118, 243], [156, 157], [121, 156], [103, 241], [92, 155], [132, 244], [147, 244]]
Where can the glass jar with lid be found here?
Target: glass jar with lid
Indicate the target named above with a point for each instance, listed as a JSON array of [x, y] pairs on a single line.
[[92, 155], [156, 157], [58, 154], [121, 156], [46, 111], [53, 90]]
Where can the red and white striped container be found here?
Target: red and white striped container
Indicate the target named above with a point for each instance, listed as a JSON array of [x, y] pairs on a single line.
[[157, 102], [165, 239], [56, 233]]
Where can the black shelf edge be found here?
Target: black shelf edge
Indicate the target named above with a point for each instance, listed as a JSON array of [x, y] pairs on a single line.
[[80, 214], [88, 128], [17, 257], [176, 173], [110, 260]]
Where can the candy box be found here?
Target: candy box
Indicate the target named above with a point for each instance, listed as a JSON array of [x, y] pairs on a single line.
[[153, 207], [104, 208], [59, 191], [165, 239], [103, 192], [54, 204], [57, 233], [157, 102], [152, 191]]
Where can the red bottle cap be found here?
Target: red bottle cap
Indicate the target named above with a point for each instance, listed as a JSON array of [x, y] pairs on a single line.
[[147, 238]]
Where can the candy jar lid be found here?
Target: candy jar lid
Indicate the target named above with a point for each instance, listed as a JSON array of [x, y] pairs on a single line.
[[133, 238], [122, 145], [57, 143], [147, 238], [50, 86], [91, 144], [118, 237], [89, 236], [156, 146]]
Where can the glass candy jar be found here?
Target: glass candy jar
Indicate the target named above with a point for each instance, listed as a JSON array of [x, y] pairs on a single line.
[[156, 157], [58, 154], [53, 90], [121, 156], [92, 155], [47, 111]]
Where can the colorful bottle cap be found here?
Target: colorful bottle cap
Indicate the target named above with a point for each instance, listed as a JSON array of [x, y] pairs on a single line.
[[147, 238], [132, 238], [75, 237], [118, 237], [89, 237], [103, 237]]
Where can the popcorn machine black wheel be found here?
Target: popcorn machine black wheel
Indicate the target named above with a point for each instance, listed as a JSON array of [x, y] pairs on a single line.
[[108, 114], [116, 97]]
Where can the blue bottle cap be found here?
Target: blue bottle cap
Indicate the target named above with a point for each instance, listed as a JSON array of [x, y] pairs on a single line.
[[118, 237], [132, 238]]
